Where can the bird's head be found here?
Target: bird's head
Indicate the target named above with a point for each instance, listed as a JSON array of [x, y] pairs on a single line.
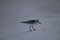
[[38, 21]]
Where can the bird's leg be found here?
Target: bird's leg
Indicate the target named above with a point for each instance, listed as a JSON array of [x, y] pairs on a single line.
[[30, 28], [33, 28]]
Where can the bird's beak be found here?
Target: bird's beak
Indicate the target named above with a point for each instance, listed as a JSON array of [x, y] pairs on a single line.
[[40, 23]]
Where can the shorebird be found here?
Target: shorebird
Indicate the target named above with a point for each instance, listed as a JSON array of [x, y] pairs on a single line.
[[32, 22]]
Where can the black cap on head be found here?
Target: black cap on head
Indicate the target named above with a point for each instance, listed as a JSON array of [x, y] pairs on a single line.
[[37, 20]]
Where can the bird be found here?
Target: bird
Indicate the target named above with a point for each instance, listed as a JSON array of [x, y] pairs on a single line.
[[32, 22]]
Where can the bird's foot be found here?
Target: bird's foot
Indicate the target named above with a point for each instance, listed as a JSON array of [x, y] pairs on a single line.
[[34, 29], [30, 30]]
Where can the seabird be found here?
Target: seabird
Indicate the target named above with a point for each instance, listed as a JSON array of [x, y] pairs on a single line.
[[32, 22]]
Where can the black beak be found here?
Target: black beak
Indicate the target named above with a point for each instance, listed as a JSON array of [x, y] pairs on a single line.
[[39, 22]]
